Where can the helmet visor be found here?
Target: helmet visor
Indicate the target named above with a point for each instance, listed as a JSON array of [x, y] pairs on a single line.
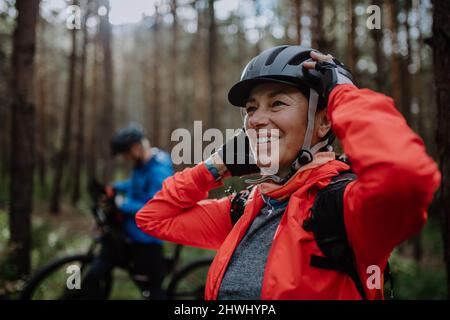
[[240, 92]]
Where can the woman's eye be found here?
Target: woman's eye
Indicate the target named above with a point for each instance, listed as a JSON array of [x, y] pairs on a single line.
[[278, 103], [250, 109]]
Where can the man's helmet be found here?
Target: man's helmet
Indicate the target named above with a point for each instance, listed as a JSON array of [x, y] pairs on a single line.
[[283, 64], [125, 138]]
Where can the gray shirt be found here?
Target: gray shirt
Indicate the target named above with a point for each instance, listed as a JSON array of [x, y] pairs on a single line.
[[244, 275]]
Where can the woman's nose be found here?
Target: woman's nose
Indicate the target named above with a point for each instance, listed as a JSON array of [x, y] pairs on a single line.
[[258, 119]]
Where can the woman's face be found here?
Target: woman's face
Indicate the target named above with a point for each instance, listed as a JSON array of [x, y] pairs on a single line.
[[277, 113]]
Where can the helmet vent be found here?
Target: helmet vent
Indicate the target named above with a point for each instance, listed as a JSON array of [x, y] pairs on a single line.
[[274, 54], [295, 61]]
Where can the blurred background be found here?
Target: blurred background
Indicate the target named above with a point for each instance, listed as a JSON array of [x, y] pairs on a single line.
[[101, 64]]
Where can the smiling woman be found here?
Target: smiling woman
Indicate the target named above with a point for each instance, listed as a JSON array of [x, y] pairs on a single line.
[[291, 231]]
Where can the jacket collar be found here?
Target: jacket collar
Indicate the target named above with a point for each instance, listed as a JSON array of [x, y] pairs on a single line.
[[323, 165]]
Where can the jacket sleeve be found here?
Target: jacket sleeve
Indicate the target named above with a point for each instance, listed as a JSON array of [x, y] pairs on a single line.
[[164, 171], [180, 212], [396, 178], [130, 206], [122, 186]]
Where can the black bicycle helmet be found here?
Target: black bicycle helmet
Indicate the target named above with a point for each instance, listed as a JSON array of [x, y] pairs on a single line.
[[125, 138], [283, 64]]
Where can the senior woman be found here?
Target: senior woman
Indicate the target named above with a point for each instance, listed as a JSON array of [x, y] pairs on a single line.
[[299, 98]]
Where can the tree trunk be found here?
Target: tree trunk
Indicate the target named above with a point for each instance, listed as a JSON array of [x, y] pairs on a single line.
[[63, 154], [156, 97], [79, 143], [318, 32], [5, 144], [395, 63], [417, 77], [41, 102], [257, 7], [377, 36], [107, 113], [352, 49], [22, 134], [199, 67], [406, 75], [176, 111], [92, 153], [214, 121], [298, 24], [441, 48], [241, 44]]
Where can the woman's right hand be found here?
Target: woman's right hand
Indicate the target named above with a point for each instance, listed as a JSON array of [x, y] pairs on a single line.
[[235, 155]]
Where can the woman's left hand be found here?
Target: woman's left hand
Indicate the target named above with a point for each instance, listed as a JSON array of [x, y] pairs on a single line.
[[316, 56], [331, 72]]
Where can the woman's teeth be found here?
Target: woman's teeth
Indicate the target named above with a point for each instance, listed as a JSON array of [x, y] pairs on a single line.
[[266, 139]]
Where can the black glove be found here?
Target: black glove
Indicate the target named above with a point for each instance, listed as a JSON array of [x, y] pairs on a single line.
[[237, 156], [332, 73]]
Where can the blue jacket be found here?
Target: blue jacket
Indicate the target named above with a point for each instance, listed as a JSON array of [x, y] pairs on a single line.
[[145, 181]]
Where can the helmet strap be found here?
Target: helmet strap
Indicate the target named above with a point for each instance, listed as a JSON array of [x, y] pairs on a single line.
[[312, 108]]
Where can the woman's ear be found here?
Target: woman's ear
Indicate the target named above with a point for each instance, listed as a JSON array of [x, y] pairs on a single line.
[[324, 124]]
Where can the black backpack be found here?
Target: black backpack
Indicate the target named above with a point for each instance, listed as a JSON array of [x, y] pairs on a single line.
[[326, 221]]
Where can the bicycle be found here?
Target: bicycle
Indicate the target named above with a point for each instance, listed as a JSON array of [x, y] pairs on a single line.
[[51, 281]]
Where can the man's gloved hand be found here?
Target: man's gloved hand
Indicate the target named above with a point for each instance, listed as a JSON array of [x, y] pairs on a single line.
[[331, 71], [107, 199], [237, 156], [109, 191], [119, 200]]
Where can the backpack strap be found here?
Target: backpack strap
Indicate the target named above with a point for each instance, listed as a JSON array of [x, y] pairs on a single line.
[[326, 221], [238, 201]]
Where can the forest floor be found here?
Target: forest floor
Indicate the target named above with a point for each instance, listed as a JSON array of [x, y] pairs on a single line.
[[73, 229], [71, 232]]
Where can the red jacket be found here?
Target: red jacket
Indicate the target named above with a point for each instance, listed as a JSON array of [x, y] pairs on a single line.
[[383, 207]]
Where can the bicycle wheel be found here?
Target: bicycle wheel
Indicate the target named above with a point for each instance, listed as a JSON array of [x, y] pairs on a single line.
[[50, 283], [189, 282]]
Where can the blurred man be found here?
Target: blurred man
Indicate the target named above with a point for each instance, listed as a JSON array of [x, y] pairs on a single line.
[[151, 166]]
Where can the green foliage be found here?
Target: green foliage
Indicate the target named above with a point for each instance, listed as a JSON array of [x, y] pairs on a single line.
[[7, 286], [123, 288], [425, 279], [42, 190], [4, 193], [415, 281], [47, 242]]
